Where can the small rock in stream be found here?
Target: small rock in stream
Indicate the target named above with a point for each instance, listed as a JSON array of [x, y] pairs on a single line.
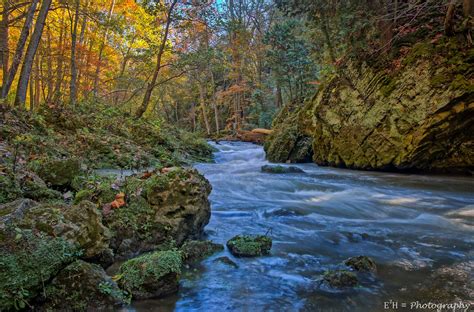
[[340, 279], [281, 169], [249, 246], [226, 261], [361, 264]]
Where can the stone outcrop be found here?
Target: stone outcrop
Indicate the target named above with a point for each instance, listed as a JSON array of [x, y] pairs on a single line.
[[417, 117], [82, 286], [164, 206], [80, 225]]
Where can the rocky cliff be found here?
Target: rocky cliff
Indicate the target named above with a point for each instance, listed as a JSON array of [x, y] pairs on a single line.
[[415, 113]]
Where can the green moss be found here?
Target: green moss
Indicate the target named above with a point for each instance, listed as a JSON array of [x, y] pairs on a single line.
[[389, 85], [60, 172], [249, 246], [83, 195], [419, 51], [9, 188], [136, 272], [33, 261]]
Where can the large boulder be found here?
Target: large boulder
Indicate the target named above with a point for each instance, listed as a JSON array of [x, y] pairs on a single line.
[[415, 118], [81, 225], [152, 275], [82, 286], [28, 259], [249, 245], [160, 207], [60, 172]]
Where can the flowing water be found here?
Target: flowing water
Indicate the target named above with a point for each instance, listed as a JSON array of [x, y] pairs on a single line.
[[409, 224]]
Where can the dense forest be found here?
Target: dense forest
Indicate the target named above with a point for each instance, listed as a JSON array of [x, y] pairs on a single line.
[[121, 122]]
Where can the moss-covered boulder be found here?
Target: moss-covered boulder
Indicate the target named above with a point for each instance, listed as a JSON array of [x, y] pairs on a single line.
[[152, 275], [160, 207], [197, 250], [28, 260], [24, 184], [59, 172], [361, 264], [249, 245], [281, 169], [417, 117], [81, 225], [82, 286], [340, 279]]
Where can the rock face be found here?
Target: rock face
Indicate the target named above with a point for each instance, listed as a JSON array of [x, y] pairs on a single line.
[[249, 246], [83, 286], [152, 275], [163, 207], [417, 118]]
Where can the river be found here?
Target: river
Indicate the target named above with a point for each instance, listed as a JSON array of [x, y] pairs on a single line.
[[410, 225]]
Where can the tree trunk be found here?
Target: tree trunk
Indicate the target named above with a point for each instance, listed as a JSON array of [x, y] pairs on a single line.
[[30, 53], [202, 100], [278, 96], [19, 50], [448, 20], [101, 52], [73, 86], [4, 50], [151, 85], [60, 61]]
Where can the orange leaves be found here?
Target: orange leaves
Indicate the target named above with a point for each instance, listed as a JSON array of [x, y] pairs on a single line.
[[117, 203]]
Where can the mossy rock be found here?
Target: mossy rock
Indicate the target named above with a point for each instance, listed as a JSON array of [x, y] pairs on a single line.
[[197, 250], [81, 225], [168, 205], [281, 169], [60, 172], [249, 246], [29, 260], [152, 275], [83, 286], [9, 187], [361, 264], [340, 279]]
